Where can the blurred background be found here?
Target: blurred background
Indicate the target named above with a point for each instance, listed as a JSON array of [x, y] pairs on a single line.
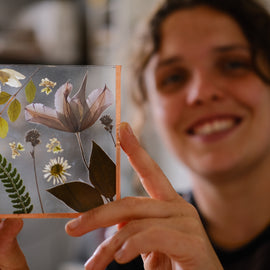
[[77, 32]]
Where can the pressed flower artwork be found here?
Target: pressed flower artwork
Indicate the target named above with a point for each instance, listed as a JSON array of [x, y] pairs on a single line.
[[59, 152]]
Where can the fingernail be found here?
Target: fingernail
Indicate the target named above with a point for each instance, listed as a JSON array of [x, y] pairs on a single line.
[[125, 126], [119, 255], [73, 224], [89, 264]]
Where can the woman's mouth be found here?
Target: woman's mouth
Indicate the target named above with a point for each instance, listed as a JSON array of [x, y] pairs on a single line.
[[214, 126]]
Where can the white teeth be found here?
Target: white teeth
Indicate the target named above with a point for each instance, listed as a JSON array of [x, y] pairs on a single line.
[[214, 127]]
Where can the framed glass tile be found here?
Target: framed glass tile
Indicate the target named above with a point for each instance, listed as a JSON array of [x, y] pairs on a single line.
[[59, 150]]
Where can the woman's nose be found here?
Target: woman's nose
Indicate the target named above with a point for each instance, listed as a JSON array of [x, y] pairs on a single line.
[[203, 90]]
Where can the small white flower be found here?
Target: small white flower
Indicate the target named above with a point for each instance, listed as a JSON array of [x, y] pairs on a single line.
[[48, 85], [56, 170], [15, 149], [11, 77], [54, 146]]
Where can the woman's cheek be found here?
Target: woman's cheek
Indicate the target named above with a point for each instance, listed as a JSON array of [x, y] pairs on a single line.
[[167, 111], [251, 93]]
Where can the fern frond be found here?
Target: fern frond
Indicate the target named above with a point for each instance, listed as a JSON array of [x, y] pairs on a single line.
[[14, 187]]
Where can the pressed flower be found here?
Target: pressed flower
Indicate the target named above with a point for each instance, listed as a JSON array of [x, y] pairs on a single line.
[[32, 136], [106, 120], [15, 149], [11, 77], [71, 114], [20, 147], [56, 170], [54, 146], [46, 90], [48, 85]]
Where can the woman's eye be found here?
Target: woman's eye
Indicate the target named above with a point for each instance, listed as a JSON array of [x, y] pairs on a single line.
[[174, 78], [235, 66], [171, 82]]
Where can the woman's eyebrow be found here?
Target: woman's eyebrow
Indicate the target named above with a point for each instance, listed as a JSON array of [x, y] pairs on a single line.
[[234, 47], [168, 61], [218, 49]]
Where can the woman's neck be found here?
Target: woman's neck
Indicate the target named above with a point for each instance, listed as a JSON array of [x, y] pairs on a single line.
[[236, 210]]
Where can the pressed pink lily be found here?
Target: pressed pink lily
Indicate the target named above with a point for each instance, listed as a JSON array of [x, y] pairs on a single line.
[[71, 114]]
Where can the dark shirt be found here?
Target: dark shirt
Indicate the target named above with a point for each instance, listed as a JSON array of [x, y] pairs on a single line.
[[253, 256]]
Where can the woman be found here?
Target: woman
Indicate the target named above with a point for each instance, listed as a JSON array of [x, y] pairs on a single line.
[[204, 71], [205, 75]]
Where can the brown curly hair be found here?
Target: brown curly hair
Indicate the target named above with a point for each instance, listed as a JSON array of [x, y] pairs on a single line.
[[251, 16]]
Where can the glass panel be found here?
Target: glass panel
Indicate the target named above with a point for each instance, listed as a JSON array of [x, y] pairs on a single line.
[[58, 146]]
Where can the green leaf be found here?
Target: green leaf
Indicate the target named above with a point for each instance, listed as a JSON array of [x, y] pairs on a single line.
[[14, 172], [3, 127], [22, 190], [19, 212], [14, 187], [9, 185], [4, 97], [18, 206], [16, 201], [77, 195], [4, 162], [9, 167], [29, 209], [10, 190], [19, 185], [3, 176], [102, 172], [14, 110], [13, 196], [18, 177], [27, 202], [30, 91]]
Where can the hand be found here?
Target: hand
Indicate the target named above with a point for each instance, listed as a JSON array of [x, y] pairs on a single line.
[[11, 256], [164, 228]]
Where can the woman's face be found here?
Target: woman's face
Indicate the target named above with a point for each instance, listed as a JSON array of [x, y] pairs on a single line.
[[209, 104]]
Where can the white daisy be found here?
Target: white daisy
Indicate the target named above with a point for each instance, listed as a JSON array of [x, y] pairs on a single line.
[[56, 170]]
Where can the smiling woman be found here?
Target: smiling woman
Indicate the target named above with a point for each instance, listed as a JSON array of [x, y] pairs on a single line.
[[202, 67], [202, 96]]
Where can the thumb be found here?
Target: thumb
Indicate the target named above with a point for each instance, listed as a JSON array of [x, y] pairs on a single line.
[[9, 229], [11, 256]]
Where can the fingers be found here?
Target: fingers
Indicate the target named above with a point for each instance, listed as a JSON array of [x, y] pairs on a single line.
[[156, 239], [127, 244], [161, 242], [123, 211], [154, 181]]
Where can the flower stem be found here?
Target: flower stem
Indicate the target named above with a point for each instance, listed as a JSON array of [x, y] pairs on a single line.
[[78, 136], [112, 138], [35, 171]]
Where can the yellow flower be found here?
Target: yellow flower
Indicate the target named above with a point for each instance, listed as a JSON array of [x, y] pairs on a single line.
[[54, 146], [47, 90], [11, 77], [15, 149], [20, 147], [48, 85], [56, 170]]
